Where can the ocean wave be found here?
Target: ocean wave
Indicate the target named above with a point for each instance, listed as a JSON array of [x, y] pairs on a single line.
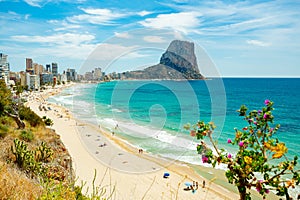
[[63, 100], [176, 139]]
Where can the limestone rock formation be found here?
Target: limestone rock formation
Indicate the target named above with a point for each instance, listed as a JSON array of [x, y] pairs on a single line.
[[178, 62]]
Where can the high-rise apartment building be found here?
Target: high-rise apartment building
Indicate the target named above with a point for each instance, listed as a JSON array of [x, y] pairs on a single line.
[[54, 69], [4, 68], [48, 68], [71, 74], [28, 64], [97, 73], [38, 69]]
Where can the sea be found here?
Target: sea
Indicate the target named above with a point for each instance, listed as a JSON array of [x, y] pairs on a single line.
[[152, 114]]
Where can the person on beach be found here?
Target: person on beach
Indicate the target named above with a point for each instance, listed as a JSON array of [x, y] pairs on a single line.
[[203, 185], [192, 188]]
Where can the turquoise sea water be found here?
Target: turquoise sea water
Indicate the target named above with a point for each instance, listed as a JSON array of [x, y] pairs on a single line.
[[151, 114]]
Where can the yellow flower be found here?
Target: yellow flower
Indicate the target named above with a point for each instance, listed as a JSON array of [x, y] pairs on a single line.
[[238, 134], [291, 167], [248, 160], [267, 145], [280, 149], [291, 183]]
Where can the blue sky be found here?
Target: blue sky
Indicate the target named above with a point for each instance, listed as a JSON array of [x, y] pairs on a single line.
[[240, 38]]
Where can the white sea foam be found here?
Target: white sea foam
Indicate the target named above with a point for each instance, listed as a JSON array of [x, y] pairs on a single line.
[[64, 100], [116, 110], [150, 132], [193, 159]]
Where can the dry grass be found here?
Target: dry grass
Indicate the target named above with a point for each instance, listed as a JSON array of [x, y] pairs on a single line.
[[15, 185]]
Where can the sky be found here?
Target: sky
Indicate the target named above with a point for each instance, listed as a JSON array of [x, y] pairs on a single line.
[[236, 38]]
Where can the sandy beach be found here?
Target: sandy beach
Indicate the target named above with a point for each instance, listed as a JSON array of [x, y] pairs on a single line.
[[122, 172]]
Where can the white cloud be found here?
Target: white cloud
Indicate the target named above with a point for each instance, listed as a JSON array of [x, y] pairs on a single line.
[[183, 21], [221, 18], [41, 3], [71, 51], [96, 16], [66, 38], [258, 43], [178, 35], [107, 52], [63, 25], [26, 17], [10, 15], [34, 3], [122, 35], [144, 13], [154, 39]]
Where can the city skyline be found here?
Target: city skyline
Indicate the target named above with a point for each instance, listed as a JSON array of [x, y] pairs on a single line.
[[242, 38]]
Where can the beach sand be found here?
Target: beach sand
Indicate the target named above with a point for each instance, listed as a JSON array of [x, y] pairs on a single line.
[[122, 171]]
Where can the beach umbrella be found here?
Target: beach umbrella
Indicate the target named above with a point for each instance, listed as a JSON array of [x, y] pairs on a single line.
[[188, 184], [166, 174]]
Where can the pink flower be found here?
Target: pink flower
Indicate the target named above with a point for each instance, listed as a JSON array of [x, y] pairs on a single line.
[[241, 143], [255, 122], [229, 141], [267, 101], [204, 159], [229, 156], [259, 111], [258, 189], [265, 116]]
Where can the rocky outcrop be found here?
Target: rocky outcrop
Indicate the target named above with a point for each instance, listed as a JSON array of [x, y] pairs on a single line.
[[178, 62]]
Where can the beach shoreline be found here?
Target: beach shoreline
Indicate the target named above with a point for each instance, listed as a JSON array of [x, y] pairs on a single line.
[[147, 184]]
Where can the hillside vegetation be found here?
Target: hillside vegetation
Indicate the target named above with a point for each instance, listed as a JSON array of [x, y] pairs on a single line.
[[34, 163]]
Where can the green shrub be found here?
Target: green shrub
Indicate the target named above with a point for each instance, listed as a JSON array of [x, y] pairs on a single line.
[[27, 114], [5, 120], [3, 130], [48, 121], [253, 165], [27, 136]]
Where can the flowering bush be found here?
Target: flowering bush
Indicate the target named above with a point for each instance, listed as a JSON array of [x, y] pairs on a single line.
[[256, 148]]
